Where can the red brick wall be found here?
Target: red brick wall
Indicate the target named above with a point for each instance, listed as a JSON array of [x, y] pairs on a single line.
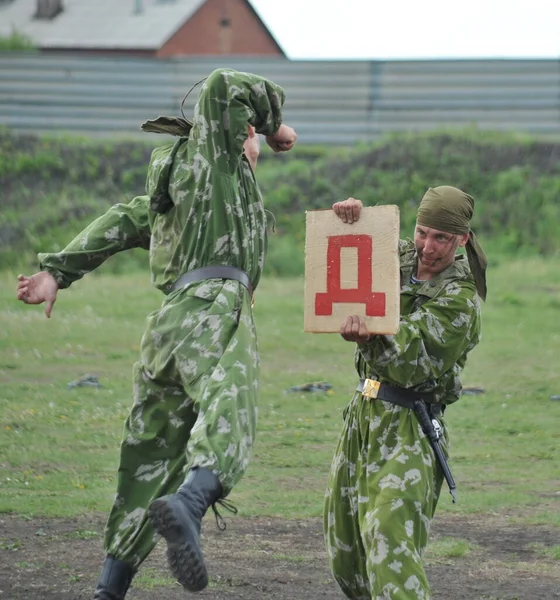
[[222, 27]]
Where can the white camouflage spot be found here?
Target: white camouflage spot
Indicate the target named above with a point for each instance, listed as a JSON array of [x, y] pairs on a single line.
[[112, 235], [409, 528], [224, 426], [396, 566], [151, 471], [132, 519]]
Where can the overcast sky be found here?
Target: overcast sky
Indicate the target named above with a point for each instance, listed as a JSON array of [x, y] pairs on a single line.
[[374, 29]]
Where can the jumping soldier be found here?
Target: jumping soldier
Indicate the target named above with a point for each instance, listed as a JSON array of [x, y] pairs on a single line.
[[190, 432]]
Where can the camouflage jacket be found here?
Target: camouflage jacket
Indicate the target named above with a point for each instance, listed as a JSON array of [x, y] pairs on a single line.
[[439, 326], [216, 214]]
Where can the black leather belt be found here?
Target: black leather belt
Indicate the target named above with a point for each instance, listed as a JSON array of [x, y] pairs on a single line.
[[214, 272], [373, 389]]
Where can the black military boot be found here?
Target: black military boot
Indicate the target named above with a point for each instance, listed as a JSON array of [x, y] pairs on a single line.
[[114, 580], [178, 518]]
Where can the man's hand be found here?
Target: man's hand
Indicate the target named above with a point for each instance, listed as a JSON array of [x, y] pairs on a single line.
[[348, 210], [354, 330], [283, 140], [39, 288]]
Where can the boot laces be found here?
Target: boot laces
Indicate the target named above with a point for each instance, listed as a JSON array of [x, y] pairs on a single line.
[[220, 523]]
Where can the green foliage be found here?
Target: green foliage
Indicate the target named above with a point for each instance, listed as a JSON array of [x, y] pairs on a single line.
[[285, 257], [16, 42], [53, 187], [515, 181]]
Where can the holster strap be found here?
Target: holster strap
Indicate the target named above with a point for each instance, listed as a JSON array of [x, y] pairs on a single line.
[[375, 390], [214, 272]]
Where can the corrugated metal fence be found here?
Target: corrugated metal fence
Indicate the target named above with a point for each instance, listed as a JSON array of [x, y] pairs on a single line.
[[336, 102]]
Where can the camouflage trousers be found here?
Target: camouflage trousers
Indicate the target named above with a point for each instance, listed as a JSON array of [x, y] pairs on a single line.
[[382, 492], [195, 405]]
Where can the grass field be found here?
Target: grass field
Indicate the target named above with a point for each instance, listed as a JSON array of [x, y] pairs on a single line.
[[59, 446]]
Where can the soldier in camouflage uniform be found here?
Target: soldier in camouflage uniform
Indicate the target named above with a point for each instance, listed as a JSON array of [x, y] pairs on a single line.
[[190, 433], [384, 482]]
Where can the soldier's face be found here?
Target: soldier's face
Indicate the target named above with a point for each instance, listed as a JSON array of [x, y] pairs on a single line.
[[436, 249]]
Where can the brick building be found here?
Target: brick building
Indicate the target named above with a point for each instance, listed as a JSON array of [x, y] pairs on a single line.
[[162, 28]]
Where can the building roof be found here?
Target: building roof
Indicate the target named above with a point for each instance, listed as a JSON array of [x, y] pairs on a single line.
[[107, 24]]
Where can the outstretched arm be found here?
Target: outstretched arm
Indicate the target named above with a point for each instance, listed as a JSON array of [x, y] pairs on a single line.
[[122, 227]]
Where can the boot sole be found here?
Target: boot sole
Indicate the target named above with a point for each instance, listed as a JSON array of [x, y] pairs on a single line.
[[183, 555]]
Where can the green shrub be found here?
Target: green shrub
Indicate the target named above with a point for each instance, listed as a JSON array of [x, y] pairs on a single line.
[[285, 258], [16, 42], [53, 187]]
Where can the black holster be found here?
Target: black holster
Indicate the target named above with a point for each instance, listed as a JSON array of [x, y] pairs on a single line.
[[432, 430]]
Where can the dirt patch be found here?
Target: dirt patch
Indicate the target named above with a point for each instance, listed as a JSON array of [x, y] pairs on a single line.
[[261, 558]]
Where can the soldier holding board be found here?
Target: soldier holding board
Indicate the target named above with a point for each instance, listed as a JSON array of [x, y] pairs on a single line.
[[389, 465]]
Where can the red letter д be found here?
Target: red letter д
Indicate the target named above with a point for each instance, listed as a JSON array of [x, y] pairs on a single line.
[[363, 293]]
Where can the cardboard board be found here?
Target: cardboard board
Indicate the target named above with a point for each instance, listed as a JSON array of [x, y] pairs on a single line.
[[352, 269]]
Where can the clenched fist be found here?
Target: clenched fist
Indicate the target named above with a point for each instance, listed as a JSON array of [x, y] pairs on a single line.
[[283, 140]]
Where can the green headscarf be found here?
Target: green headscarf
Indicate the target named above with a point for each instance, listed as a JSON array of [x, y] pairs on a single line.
[[449, 209]]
